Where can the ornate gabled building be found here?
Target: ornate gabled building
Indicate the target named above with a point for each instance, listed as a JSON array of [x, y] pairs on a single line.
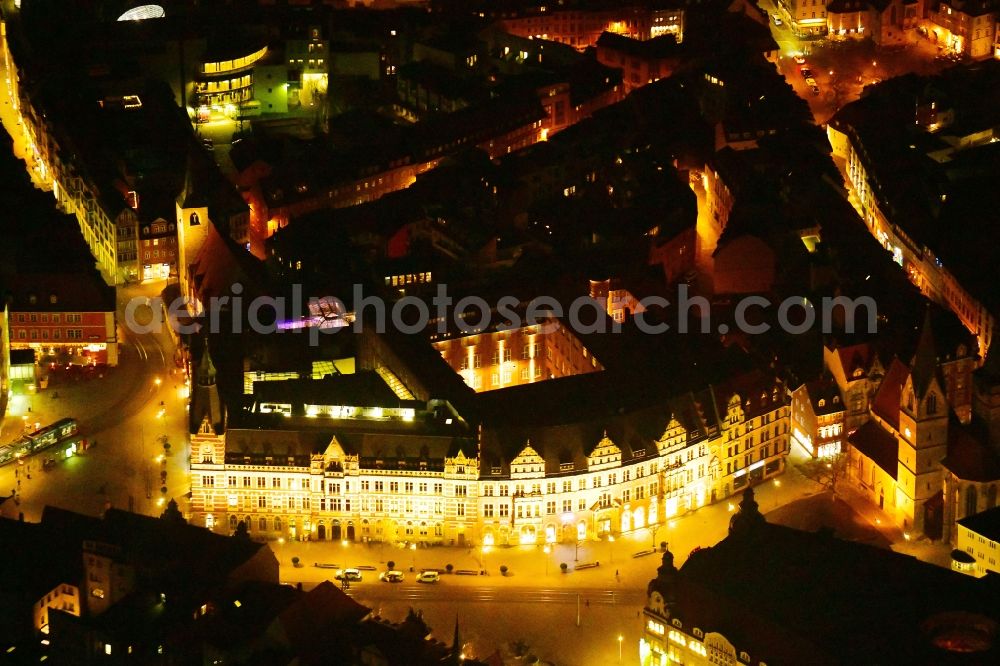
[[353, 457]]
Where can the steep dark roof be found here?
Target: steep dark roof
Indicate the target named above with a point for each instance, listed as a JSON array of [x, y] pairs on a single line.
[[60, 292], [819, 590], [878, 445], [986, 523], [827, 392]]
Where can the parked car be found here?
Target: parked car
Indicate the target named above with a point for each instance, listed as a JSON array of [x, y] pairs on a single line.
[[428, 577], [815, 90], [391, 576], [800, 59], [811, 82], [209, 144], [805, 72], [348, 574], [776, 19]]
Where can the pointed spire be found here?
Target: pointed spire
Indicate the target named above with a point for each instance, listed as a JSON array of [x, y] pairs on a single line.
[[924, 364], [206, 369]]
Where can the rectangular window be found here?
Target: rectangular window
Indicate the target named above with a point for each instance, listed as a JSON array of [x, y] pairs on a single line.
[[550, 507]]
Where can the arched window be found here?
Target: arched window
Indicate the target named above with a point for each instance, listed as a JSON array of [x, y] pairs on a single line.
[[991, 496], [194, 219], [971, 500], [277, 524], [931, 404], [262, 524], [232, 522]]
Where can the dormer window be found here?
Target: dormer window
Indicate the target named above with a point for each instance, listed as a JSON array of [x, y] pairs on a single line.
[[931, 403], [822, 402], [194, 219]]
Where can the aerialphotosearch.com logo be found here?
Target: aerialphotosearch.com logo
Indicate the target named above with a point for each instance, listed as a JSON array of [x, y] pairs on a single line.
[[472, 314]]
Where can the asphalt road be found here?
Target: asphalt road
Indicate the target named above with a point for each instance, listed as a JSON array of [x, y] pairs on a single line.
[[377, 591], [125, 415]]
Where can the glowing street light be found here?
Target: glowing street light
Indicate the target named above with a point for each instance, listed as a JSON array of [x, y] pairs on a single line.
[[620, 639], [157, 381]]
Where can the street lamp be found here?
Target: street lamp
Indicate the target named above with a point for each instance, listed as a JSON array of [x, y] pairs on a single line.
[[413, 556], [611, 540], [620, 639], [547, 550]]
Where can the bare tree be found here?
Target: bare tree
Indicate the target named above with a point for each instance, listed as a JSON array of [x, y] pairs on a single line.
[[827, 472], [653, 529]]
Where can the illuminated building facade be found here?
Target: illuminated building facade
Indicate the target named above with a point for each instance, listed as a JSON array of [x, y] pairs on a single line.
[[68, 314], [494, 360], [921, 263], [978, 535], [310, 56], [806, 17], [346, 458], [967, 27], [158, 249], [581, 28], [225, 79], [817, 418]]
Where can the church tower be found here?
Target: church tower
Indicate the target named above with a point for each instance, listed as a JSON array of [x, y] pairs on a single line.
[[207, 410], [208, 443], [923, 437], [192, 223]]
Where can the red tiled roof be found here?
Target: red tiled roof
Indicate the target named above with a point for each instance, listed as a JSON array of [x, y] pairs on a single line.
[[887, 399], [854, 357]]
